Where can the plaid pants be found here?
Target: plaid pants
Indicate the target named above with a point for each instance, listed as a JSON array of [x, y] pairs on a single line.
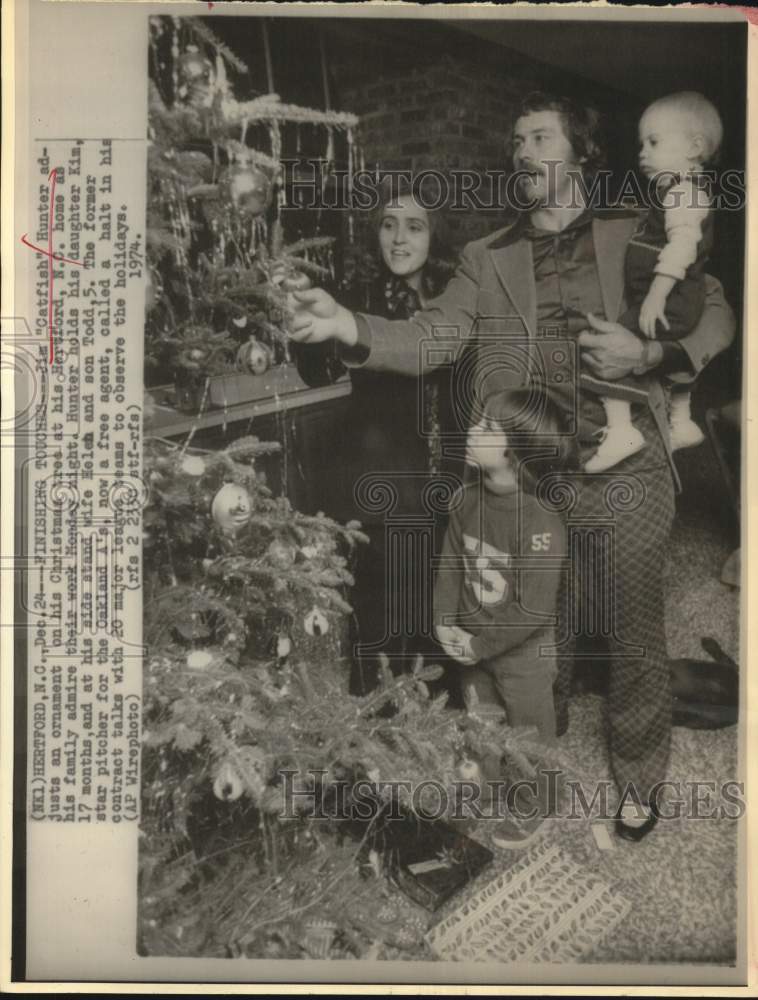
[[619, 525]]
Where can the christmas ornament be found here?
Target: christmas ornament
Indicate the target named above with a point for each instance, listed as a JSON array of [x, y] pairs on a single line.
[[283, 647], [375, 863], [296, 281], [193, 465], [248, 188], [199, 659], [316, 622], [231, 508], [281, 554], [194, 358], [193, 65], [227, 785], [254, 357], [468, 770]]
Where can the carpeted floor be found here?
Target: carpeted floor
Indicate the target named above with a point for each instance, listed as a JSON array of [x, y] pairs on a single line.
[[681, 880]]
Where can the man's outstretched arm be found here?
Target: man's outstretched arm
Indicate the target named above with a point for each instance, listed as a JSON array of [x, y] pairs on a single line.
[[394, 345]]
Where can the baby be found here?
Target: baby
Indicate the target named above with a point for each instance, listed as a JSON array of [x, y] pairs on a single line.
[[665, 289]]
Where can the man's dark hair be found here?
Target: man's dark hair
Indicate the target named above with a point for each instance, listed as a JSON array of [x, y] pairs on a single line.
[[582, 126]]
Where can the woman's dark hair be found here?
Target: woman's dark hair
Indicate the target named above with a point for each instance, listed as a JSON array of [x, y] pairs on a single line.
[[424, 191], [537, 432], [582, 126]]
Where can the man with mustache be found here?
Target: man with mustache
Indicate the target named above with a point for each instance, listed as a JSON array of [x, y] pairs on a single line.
[[557, 272]]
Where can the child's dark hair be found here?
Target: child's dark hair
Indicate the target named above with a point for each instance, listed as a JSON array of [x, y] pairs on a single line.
[[536, 427]]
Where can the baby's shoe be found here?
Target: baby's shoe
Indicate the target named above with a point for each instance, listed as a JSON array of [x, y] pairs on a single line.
[[683, 430], [616, 444], [684, 433]]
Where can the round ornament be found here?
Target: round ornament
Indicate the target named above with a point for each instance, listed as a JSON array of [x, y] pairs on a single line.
[[296, 281], [281, 554], [254, 357], [316, 622], [227, 785], [199, 659], [248, 188], [193, 465], [193, 66], [468, 770], [231, 508]]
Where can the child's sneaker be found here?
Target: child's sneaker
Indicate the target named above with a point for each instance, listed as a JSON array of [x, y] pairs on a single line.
[[685, 434], [616, 444]]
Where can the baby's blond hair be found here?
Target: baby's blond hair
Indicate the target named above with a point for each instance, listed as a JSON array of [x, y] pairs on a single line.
[[700, 115]]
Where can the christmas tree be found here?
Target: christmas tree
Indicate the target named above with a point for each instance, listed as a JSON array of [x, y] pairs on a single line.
[[250, 732], [220, 268]]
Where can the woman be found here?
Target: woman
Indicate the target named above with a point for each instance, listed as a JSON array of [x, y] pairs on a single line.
[[384, 439]]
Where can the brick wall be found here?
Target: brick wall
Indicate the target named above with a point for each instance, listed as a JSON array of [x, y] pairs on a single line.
[[451, 115]]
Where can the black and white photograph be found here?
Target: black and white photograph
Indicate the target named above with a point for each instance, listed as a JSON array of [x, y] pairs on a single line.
[[393, 608]]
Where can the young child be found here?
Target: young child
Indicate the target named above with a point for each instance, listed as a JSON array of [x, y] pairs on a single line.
[[496, 589], [679, 135]]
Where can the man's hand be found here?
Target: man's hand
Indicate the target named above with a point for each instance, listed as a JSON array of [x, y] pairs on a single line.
[[456, 642], [317, 316], [611, 351]]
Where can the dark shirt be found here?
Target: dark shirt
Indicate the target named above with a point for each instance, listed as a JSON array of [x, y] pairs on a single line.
[[565, 275]]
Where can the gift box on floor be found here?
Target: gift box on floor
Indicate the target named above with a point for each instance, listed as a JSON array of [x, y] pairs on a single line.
[[544, 908]]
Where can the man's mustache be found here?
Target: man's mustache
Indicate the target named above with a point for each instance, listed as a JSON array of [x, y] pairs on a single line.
[[529, 170]]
